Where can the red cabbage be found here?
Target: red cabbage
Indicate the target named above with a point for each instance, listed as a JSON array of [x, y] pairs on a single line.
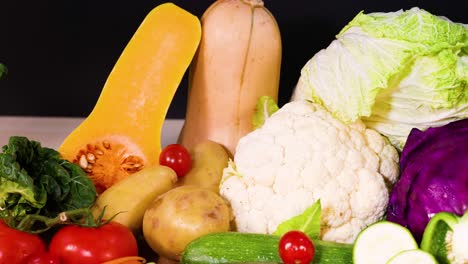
[[434, 176]]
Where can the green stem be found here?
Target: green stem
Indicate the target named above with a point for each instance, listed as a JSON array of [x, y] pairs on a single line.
[[74, 216]]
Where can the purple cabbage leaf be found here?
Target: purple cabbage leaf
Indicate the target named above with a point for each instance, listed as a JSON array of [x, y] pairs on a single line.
[[434, 176]]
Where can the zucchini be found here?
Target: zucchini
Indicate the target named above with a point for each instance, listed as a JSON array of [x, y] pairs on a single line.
[[412, 256], [379, 242], [235, 247]]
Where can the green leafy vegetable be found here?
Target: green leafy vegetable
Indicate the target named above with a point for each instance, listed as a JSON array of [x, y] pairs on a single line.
[[36, 181], [395, 71], [265, 107], [307, 222], [3, 70]]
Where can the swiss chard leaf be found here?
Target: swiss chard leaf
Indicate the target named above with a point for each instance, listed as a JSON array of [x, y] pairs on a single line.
[[82, 191], [18, 193], [307, 222], [35, 180]]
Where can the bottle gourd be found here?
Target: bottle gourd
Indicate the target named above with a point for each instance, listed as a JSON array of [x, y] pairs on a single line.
[[237, 62], [122, 134]]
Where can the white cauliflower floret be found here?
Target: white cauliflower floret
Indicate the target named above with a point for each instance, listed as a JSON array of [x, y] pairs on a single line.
[[302, 154]]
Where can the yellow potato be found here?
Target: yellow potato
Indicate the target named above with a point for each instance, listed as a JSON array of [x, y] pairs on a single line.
[[130, 197], [208, 161], [181, 215]]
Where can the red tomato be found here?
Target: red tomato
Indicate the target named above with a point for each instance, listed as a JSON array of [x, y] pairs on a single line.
[[93, 245], [295, 247], [177, 158], [16, 246], [44, 258]]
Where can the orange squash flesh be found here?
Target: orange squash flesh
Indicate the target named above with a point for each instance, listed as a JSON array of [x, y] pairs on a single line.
[[133, 104]]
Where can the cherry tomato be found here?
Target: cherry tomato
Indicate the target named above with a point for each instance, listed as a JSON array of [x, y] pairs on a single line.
[[295, 247], [177, 158], [75, 244], [43, 258], [17, 246]]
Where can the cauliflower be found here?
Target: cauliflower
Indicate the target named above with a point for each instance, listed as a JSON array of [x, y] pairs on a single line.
[[300, 154]]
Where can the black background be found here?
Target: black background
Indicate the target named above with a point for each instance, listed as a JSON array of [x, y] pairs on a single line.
[[59, 53]]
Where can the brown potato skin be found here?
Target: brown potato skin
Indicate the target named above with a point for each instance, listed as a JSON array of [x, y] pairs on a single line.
[[181, 215], [208, 162], [128, 199]]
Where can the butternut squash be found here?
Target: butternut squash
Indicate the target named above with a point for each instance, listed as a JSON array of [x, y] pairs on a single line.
[[238, 61], [122, 134]]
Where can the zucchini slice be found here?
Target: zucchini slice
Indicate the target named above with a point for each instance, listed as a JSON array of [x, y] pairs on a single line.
[[379, 242], [412, 256]]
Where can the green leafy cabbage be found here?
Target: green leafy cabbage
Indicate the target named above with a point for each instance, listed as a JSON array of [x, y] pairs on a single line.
[[35, 180], [395, 71]]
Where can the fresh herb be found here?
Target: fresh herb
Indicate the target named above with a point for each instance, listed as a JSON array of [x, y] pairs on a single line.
[[36, 183]]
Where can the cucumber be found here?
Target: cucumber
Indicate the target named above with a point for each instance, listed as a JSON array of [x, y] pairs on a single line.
[[412, 256], [235, 247], [379, 242]]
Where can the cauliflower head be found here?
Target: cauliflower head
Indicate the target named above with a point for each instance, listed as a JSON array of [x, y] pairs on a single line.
[[301, 154]]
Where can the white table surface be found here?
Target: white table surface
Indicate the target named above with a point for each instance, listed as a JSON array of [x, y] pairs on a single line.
[[51, 131]]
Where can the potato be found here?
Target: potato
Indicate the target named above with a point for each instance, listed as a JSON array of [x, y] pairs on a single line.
[[181, 215], [208, 161], [129, 198]]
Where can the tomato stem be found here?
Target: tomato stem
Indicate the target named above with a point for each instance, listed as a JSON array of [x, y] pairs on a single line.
[[35, 223]]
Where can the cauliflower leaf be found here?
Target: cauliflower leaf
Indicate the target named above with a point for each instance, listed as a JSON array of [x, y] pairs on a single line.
[[307, 222], [265, 107]]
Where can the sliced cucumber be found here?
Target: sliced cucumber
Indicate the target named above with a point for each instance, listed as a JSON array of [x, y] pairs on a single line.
[[413, 256], [379, 242]]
